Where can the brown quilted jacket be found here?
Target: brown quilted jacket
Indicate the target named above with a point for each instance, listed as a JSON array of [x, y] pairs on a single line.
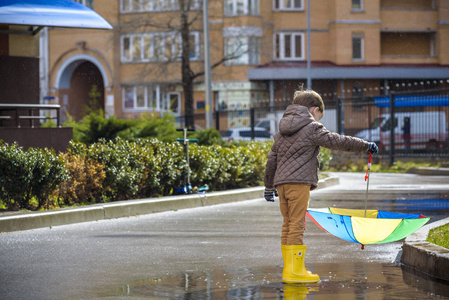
[[294, 155]]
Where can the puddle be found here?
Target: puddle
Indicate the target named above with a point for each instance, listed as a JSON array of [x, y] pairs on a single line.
[[345, 274], [338, 281]]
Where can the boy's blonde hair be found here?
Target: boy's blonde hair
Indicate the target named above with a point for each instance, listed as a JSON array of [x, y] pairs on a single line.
[[308, 98]]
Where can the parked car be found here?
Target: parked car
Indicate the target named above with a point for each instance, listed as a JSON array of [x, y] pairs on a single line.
[[271, 121], [244, 134], [425, 130]]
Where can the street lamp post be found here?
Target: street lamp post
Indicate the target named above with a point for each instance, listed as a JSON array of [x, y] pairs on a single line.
[[309, 67], [207, 80]]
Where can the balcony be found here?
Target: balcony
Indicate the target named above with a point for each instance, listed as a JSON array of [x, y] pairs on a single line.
[[21, 123], [404, 19]]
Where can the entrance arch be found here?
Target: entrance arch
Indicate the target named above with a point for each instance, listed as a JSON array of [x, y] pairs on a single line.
[[80, 83]]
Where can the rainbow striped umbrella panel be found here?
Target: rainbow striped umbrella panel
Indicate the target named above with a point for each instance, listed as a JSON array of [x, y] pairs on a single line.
[[374, 227]]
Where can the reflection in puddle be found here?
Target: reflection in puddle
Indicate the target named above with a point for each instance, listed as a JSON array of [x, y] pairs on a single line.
[[338, 281], [345, 274]]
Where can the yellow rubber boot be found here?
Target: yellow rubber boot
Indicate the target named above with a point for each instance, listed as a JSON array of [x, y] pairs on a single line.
[[294, 266], [283, 253]]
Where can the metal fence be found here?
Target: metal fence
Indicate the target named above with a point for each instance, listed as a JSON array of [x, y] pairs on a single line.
[[420, 126]]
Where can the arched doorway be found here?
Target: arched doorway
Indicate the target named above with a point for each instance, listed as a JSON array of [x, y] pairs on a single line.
[[80, 84], [86, 90]]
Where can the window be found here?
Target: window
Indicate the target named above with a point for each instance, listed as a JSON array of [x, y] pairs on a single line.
[[157, 47], [289, 46], [357, 47], [257, 133], [241, 7], [433, 47], [126, 48], [288, 5], [357, 5], [194, 46], [388, 124], [200, 104], [136, 47], [152, 5], [149, 98], [174, 102], [88, 3], [242, 50], [136, 5]]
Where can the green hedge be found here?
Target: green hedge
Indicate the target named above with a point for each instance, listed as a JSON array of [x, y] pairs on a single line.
[[119, 170], [28, 178]]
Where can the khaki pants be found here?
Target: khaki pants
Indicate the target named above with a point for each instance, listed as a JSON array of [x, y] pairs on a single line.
[[294, 201]]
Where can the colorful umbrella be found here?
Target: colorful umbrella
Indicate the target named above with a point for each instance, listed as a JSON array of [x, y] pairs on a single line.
[[366, 226], [376, 228]]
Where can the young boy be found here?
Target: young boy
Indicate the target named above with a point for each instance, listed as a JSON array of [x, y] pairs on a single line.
[[292, 170]]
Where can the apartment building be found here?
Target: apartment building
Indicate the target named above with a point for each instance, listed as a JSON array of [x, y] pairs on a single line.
[[258, 50]]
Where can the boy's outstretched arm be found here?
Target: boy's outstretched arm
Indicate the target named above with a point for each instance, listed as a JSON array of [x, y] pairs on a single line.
[[334, 141]]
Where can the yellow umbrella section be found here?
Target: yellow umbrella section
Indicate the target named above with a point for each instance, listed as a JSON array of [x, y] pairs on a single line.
[[369, 229]]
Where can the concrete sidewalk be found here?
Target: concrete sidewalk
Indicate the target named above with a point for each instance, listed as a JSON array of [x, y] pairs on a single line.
[[417, 253], [426, 257], [120, 209]]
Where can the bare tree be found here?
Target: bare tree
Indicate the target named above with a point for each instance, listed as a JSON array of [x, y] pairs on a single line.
[[186, 19]]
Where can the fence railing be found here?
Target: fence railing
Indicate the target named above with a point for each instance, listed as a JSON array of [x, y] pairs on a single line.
[[416, 123], [26, 115]]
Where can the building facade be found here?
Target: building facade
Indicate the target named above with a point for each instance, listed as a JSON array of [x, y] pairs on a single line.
[[258, 50]]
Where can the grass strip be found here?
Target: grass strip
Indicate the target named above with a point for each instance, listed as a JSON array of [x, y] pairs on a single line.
[[439, 236]]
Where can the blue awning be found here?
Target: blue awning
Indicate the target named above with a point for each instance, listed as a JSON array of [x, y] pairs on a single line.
[[413, 100], [52, 13]]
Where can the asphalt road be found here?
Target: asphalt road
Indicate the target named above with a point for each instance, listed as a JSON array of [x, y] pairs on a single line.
[[222, 252]]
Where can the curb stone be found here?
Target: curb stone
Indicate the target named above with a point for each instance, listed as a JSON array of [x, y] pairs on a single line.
[[426, 257], [430, 171], [130, 208]]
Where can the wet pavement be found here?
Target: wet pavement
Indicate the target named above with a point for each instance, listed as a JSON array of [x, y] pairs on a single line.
[[351, 281], [229, 251]]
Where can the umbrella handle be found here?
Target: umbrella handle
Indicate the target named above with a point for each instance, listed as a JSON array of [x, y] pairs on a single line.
[[369, 166], [367, 179]]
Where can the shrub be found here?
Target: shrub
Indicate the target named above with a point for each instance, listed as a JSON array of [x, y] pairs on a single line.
[[153, 126], [240, 166], [204, 164], [26, 175], [123, 167], [85, 183], [324, 158], [119, 170], [15, 176], [95, 126], [209, 137], [173, 165], [48, 171], [150, 184]]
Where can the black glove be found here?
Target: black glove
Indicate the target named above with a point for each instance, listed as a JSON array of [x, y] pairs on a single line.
[[269, 194], [373, 148]]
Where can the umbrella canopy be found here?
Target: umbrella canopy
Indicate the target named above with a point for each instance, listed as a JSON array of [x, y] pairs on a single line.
[[376, 228], [53, 13]]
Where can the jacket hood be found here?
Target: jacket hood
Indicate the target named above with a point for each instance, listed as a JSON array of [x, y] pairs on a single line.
[[295, 117]]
